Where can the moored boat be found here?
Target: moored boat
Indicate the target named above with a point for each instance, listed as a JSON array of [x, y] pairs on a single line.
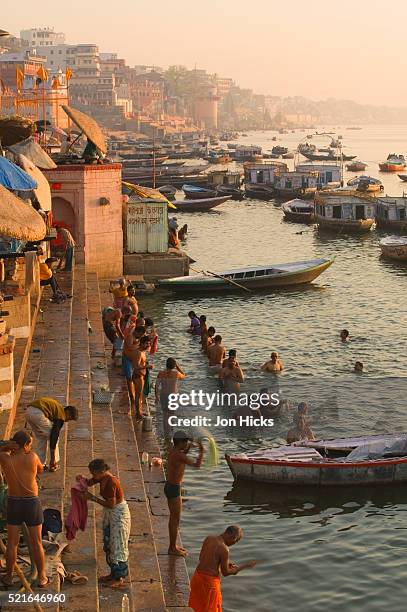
[[201, 205], [394, 247], [345, 211], [367, 184], [393, 163], [356, 166], [296, 184], [194, 192], [299, 211], [254, 277], [403, 177], [372, 460], [391, 213]]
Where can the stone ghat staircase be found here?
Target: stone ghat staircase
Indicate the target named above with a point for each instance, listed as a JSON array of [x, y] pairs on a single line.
[[68, 360]]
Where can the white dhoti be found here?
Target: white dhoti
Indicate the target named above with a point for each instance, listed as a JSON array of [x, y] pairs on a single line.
[[116, 533], [41, 427]]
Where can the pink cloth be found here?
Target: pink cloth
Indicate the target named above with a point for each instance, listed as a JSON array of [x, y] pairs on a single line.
[[78, 513]]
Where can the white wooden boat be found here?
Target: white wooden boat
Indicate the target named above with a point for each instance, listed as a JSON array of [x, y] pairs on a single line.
[[345, 211], [394, 247], [299, 211], [391, 213], [371, 460], [256, 277]]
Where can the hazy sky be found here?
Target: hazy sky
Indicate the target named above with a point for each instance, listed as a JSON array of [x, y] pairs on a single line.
[[314, 48]]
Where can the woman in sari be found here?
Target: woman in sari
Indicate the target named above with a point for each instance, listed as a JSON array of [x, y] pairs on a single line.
[[116, 522]]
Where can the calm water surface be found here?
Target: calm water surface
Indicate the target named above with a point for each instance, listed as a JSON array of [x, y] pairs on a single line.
[[342, 549]]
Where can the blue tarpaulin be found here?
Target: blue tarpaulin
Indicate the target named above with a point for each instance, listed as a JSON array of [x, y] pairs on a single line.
[[12, 177]]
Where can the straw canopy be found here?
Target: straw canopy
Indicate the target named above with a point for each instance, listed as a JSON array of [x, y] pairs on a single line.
[[88, 126], [43, 191], [15, 129], [18, 219], [35, 153]]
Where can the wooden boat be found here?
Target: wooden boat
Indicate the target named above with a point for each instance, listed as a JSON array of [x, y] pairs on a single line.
[[403, 177], [288, 155], [394, 247], [393, 163], [366, 184], [356, 166], [201, 205], [234, 193], [299, 211], [391, 213], [255, 277], [193, 192], [296, 184], [345, 211], [372, 460], [331, 156], [168, 191], [259, 191]]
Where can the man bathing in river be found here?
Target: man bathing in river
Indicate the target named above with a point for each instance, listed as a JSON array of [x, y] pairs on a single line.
[[231, 374], [206, 594], [166, 383], [140, 367], [177, 460], [131, 345], [216, 353], [273, 365]]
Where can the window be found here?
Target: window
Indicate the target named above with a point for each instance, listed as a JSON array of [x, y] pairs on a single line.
[[336, 212], [238, 275], [249, 274], [260, 272], [402, 214], [360, 211]]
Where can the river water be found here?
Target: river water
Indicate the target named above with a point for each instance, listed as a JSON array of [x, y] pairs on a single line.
[[336, 548]]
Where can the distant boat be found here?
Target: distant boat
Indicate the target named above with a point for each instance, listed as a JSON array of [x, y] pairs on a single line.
[[345, 211], [366, 184], [168, 191], [235, 193], [253, 277], [299, 211], [391, 213], [288, 155], [394, 247], [331, 156], [393, 163], [193, 192], [403, 177], [201, 205], [356, 166]]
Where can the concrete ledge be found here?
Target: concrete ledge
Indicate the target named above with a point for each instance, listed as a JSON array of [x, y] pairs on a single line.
[[154, 266]]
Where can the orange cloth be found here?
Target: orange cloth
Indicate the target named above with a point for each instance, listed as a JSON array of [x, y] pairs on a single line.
[[206, 593]]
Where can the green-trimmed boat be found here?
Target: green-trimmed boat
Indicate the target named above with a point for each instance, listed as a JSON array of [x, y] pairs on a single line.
[[249, 279]]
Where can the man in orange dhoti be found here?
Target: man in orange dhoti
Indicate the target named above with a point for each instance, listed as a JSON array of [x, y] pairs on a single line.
[[206, 594]]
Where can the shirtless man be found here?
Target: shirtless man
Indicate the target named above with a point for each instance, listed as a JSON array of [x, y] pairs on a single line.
[[273, 365], [21, 466], [130, 301], [231, 374], [140, 367], [111, 326], [300, 430], [214, 561], [177, 460], [167, 382], [207, 339], [216, 353], [131, 344]]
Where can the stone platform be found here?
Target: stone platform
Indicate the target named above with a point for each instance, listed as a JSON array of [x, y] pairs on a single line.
[[67, 362]]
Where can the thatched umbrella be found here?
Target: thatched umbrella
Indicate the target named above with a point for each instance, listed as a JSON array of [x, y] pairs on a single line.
[[88, 126], [15, 129], [18, 219], [34, 152], [43, 191]]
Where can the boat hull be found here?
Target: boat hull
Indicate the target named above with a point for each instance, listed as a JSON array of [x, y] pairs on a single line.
[[260, 192], [299, 217], [394, 252], [353, 226], [386, 167], [277, 281], [399, 226], [199, 205], [200, 195], [324, 473]]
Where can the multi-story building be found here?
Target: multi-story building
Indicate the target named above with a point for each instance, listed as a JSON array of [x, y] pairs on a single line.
[[42, 37]]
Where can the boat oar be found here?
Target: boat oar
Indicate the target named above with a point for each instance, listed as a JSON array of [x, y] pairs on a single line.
[[228, 280]]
